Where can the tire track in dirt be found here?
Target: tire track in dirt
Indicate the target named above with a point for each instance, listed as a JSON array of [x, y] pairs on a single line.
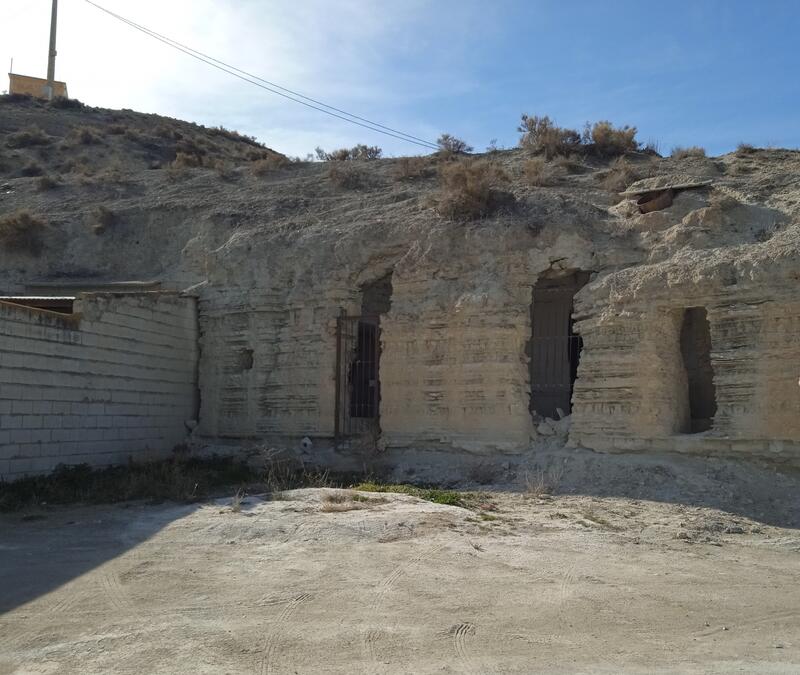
[[462, 635], [371, 636], [112, 590], [273, 637], [747, 623]]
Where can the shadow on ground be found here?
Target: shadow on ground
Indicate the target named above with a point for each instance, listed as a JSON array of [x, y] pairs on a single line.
[[81, 538], [760, 492]]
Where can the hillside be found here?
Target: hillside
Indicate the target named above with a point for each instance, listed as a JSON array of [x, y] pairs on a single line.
[[122, 195]]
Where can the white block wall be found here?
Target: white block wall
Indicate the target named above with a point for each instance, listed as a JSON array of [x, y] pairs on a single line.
[[114, 381]]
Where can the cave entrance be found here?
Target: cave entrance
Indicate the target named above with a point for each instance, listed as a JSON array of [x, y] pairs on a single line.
[[696, 352], [358, 352], [554, 348]]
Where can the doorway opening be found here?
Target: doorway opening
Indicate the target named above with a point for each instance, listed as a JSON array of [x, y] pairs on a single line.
[[696, 353], [358, 352], [554, 347]]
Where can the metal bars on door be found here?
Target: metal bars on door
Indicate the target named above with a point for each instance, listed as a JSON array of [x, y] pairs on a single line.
[[357, 382]]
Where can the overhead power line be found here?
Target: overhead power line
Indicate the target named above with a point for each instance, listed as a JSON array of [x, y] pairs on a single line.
[[271, 86]]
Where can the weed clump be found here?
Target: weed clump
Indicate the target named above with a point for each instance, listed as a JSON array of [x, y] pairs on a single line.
[[348, 177], [357, 152], [102, 219], [64, 103], [84, 136], [435, 495], [451, 145], [540, 173], [268, 164], [619, 176], [31, 136], [679, 152], [46, 183], [31, 170], [175, 479], [471, 189], [540, 135], [412, 168], [606, 140], [23, 232]]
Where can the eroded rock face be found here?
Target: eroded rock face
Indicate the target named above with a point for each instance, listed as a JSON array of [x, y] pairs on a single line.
[[276, 259]]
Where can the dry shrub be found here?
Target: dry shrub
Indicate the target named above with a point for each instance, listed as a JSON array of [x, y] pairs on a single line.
[[64, 103], [234, 136], [609, 141], [540, 135], [333, 502], [745, 149], [539, 483], [619, 176], [450, 144], [568, 164], [33, 135], [84, 136], [224, 169], [357, 152], [470, 189], [46, 183], [411, 168], [185, 160], [22, 231], [540, 173], [679, 152], [80, 167], [132, 134], [166, 131], [102, 219], [270, 163], [114, 173], [117, 129], [347, 176], [31, 169]]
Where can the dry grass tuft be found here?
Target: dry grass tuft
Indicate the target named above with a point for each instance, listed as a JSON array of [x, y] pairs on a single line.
[[357, 152], [102, 219], [745, 149], [540, 173], [33, 135], [540, 135], [84, 136], [23, 232], [452, 145], [46, 183], [607, 140], [540, 483], [268, 164], [619, 176], [347, 176], [685, 153], [471, 189], [412, 168], [31, 170]]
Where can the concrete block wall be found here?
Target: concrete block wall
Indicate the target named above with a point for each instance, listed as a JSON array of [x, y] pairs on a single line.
[[113, 381]]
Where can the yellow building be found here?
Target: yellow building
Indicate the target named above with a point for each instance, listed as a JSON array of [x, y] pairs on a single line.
[[34, 86]]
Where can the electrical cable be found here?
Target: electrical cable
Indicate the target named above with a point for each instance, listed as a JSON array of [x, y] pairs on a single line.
[[272, 87]]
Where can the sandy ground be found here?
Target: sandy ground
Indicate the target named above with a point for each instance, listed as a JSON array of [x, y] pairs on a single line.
[[521, 584]]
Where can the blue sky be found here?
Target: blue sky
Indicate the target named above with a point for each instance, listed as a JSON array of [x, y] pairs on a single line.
[[704, 72]]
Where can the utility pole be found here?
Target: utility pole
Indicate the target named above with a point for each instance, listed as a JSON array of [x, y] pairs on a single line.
[[51, 57]]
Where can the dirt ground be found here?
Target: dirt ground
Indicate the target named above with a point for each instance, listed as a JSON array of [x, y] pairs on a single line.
[[318, 582]]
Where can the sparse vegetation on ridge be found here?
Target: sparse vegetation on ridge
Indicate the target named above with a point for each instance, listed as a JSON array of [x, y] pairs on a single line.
[[470, 189]]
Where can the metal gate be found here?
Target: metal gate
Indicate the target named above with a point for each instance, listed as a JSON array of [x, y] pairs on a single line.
[[358, 395]]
